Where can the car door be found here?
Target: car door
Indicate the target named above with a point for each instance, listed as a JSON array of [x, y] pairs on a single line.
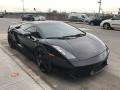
[[21, 32], [30, 39], [115, 22], [25, 37], [98, 20]]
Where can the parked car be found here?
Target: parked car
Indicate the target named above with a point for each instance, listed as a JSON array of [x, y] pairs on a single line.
[[87, 20], [55, 44], [97, 20], [1, 15], [113, 23], [77, 17], [27, 17], [40, 18]]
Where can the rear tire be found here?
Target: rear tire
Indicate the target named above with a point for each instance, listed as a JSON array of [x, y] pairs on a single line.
[[92, 23], [11, 42], [107, 26], [22, 19]]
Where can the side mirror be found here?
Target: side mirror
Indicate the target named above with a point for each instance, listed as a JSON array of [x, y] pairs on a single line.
[[17, 27]]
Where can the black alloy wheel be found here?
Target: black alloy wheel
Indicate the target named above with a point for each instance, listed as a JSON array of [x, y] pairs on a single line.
[[42, 61], [107, 26]]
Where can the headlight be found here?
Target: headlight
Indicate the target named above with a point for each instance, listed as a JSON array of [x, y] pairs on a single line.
[[64, 52]]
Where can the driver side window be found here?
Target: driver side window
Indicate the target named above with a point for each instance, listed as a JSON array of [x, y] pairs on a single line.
[[33, 31]]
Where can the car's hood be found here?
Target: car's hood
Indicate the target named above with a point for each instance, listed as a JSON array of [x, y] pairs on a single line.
[[82, 48]]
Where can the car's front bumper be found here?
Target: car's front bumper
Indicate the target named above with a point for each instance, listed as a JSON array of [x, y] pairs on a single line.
[[87, 70], [93, 60], [90, 66]]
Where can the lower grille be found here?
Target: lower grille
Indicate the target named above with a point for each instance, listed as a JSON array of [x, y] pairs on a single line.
[[85, 70]]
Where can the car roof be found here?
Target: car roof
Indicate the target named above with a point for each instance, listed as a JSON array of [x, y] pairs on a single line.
[[14, 24], [27, 15]]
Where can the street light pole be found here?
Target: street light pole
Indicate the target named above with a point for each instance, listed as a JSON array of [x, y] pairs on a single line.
[[99, 6], [23, 5]]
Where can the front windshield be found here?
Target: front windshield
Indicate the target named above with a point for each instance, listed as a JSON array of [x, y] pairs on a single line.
[[58, 29]]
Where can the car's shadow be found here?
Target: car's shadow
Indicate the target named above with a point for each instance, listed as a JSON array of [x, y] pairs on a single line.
[[56, 79], [57, 74]]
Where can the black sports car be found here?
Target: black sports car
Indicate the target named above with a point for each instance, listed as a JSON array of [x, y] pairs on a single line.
[[28, 17], [56, 44], [97, 20]]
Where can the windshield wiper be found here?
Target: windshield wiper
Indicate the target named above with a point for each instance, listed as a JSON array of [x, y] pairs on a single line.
[[77, 35], [54, 38], [66, 37]]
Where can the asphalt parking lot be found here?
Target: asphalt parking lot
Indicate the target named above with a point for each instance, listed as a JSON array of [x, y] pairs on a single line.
[[108, 79]]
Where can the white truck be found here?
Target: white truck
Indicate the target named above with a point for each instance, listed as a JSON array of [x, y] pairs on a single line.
[[74, 16], [40, 18]]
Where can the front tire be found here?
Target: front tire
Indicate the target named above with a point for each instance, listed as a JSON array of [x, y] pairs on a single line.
[[41, 61]]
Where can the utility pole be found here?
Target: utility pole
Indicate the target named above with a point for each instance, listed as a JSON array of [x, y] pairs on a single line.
[[99, 6], [23, 5]]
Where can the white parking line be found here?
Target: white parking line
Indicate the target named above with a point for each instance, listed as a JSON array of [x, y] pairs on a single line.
[[84, 29]]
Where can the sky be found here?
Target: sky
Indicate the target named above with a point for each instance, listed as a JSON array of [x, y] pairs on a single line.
[[60, 5]]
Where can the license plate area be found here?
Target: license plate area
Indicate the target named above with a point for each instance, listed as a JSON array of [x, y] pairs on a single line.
[[98, 68]]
